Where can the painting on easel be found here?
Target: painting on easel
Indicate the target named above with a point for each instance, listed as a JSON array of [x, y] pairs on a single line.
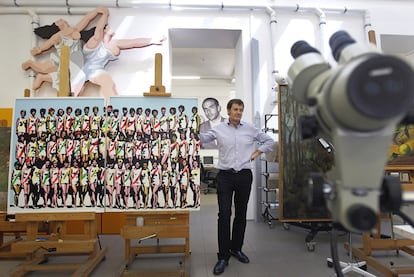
[[56, 155], [153, 157]]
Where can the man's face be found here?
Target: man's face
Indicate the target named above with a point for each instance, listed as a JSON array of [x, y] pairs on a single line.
[[235, 113], [211, 110]]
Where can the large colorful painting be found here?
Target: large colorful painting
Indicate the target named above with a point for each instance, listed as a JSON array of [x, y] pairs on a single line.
[[83, 154], [153, 151], [401, 151]]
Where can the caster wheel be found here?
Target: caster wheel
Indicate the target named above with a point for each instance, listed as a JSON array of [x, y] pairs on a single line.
[[329, 263], [310, 246], [286, 226]]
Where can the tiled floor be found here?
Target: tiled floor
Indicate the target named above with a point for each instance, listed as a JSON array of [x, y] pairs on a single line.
[[275, 251]]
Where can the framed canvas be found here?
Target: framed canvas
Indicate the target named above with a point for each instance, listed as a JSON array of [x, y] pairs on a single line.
[[298, 158]]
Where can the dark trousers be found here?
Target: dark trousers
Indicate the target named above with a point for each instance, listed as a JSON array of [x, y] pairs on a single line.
[[229, 184]]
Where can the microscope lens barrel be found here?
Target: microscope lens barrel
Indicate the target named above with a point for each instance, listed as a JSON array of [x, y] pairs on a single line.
[[302, 47], [339, 41]]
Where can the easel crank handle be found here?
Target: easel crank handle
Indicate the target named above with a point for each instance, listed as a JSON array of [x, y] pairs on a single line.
[[148, 237]]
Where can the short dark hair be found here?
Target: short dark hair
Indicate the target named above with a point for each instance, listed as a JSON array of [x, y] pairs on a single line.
[[214, 100], [87, 34], [46, 31], [234, 101]]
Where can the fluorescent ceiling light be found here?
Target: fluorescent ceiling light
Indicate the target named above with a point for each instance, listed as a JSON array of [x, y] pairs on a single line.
[[185, 77]]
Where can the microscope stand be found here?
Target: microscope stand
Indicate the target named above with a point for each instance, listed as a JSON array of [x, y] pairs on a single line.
[[352, 267]]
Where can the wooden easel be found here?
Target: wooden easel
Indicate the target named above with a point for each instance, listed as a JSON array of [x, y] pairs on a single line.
[[156, 225], [38, 247], [10, 227], [64, 74], [377, 243], [157, 89]]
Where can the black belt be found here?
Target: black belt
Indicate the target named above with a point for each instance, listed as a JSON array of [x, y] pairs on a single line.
[[233, 171]]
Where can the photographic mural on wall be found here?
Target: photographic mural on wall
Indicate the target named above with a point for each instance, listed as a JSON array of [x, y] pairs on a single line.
[[213, 109], [91, 46], [83, 155]]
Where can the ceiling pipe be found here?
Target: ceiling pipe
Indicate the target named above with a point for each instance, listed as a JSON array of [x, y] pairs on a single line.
[[35, 23], [70, 5], [277, 77], [44, 10], [322, 24]]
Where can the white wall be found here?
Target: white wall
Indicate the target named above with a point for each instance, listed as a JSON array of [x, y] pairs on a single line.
[[133, 72]]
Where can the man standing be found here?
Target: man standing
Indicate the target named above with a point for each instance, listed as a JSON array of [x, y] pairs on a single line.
[[212, 109], [235, 140]]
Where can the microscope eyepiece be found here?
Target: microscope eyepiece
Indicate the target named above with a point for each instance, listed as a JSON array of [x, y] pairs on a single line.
[[338, 41], [381, 87], [302, 47]]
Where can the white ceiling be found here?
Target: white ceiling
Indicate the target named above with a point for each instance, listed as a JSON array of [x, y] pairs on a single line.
[[208, 53]]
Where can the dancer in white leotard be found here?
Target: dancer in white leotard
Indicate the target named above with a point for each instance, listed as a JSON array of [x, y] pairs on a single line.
[[97, 52]]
